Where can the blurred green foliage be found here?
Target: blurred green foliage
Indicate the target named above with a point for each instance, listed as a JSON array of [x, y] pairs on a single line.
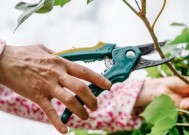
[[179, 47]]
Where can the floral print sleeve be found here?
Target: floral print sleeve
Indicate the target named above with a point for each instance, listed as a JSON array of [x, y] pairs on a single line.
[[115, 108]]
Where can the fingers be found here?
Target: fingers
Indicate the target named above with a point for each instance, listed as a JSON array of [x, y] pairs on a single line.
[[81, 90], [82, 72], [46, 49], [177, 85], [71, 102], [184, 104], [53, 116]]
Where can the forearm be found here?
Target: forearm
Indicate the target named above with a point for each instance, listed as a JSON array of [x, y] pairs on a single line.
[[114, 112]]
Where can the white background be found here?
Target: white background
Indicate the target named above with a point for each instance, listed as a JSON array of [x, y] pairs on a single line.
[[76, 25]]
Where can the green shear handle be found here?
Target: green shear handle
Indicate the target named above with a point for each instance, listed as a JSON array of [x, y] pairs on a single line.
[[120, 70], [67, 113]]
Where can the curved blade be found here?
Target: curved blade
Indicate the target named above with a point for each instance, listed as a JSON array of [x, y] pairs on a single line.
[[143, 63], [148, 48]]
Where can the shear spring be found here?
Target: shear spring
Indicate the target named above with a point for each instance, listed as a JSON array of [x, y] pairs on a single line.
[[108, 62]]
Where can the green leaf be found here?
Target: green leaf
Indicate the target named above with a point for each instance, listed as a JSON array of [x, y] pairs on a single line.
[[48, 6], [86, 132], [178, 24], [173, 131], [187, 47], [162, 126], [153, 72], [159, 71], [61, 2], [28, 10], [162, 107], [162, 114], [122, 133], [143, 130], [81, 132], [24, 6], [182, 38], [186, 132], [169, 49], [166, 70], [89, 1]]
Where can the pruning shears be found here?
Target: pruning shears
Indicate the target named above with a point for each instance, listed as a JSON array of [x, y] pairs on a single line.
[[120, 61]]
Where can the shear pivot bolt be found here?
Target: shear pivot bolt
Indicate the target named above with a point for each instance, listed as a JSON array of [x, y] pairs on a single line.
[[130, 54]]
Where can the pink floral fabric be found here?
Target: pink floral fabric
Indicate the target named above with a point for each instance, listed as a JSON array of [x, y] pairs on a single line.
[[115, 110]]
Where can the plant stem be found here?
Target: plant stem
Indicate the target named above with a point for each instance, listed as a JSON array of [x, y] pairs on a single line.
[[143, 5], [142, 15], [127, 3], [137, 4], [183, 124], [163, 7], [184, 111], [154, 38]]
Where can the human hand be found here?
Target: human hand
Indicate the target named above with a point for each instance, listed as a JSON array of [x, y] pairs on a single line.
[[171, 86], [34, 73]]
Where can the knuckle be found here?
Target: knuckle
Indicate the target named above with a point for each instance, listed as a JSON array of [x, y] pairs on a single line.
[[84, 70], [50, 111], [42, 46], [69, 64], [63, 78], [81, 87], [55, 58], [70, 100], [101, 80], [51, 70], [99, 77], [56, 91], [37, 98]]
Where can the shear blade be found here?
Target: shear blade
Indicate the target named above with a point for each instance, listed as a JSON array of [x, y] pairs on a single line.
[[143, 63], [148, 48]]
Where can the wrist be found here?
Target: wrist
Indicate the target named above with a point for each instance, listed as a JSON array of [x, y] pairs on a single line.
[[5, 63], [2, 47]]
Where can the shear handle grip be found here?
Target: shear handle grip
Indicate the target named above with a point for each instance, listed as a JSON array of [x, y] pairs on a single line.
[[117, 73], [88, 54], [97, 52], [67, 113]]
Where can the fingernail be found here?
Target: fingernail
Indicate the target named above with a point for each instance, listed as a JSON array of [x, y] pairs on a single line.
[[108, 83], [64, 130], [86, 116]]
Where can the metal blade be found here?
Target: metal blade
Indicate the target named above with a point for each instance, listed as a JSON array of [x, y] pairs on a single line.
[[143, 63], [148, 48]]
